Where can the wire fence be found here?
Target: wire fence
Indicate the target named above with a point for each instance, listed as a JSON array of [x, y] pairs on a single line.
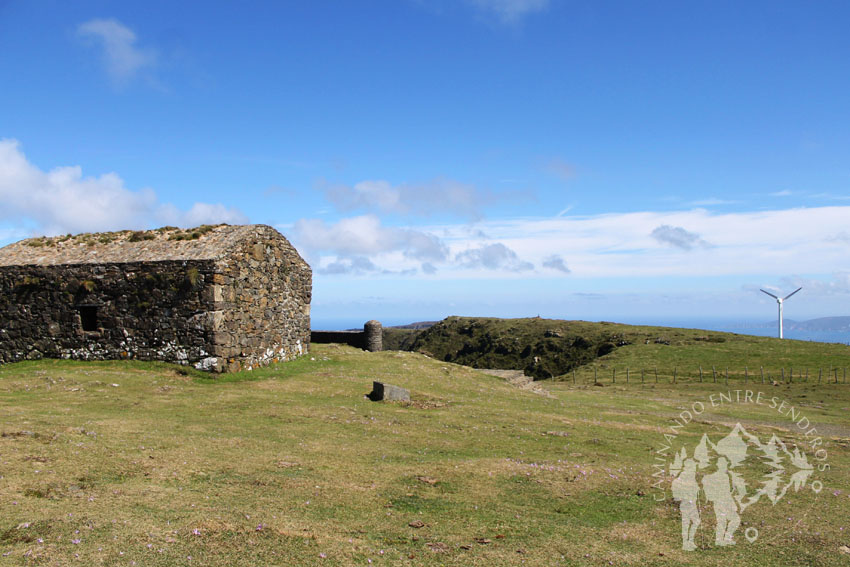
[[709, 374]]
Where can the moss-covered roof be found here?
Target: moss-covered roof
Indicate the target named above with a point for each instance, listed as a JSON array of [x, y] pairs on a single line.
[[207, 242]]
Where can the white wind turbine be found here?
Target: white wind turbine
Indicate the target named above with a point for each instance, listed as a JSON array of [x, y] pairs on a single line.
[[780, 301]]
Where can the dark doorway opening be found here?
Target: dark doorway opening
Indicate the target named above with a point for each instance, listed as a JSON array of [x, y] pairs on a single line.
[[88, 317]]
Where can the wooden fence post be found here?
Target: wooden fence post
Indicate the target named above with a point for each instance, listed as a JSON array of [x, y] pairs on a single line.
[[656, 375], [574, 376], [714, 374], [700, 372], [627, 374], [783, 374], [820, 372], [641, 375], [613, 375], [727, 375], [762, 374], [746, 374]]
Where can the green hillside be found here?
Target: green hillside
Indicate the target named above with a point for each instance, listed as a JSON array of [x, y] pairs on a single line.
[[549, 348]]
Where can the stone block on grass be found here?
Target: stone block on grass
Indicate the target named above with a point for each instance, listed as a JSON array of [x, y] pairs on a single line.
[[388, 392]]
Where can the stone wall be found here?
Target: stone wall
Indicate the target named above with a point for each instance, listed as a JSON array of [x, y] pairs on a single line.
[[261, 299], [246, 304], [370, 338], [357, 339], [150, 310]]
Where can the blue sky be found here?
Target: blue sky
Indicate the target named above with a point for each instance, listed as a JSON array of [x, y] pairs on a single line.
[[596, 160]]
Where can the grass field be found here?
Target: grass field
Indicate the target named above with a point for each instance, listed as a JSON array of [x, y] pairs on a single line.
[[129, 463]]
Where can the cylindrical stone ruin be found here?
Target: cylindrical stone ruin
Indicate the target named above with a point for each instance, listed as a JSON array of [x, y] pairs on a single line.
[[374, 340]]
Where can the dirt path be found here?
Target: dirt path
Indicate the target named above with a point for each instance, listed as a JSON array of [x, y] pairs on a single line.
[[517, 378]]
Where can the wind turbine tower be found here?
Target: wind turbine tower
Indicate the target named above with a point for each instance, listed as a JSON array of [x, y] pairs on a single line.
[[779, 302]]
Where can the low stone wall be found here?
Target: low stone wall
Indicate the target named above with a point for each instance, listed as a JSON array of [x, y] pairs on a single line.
[[370, 338], [356, 339]]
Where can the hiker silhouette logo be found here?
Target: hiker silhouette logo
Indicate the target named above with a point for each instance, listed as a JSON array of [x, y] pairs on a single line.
[[714, 471], [727, 470]]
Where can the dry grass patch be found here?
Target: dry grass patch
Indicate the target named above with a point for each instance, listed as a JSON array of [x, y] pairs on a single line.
[[496, 475]]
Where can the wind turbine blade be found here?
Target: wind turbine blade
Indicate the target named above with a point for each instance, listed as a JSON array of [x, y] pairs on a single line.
[[770, 294], [792, 293]]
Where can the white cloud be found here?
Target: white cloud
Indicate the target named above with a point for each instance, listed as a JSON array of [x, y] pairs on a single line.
[[356, 265], [364, 235], [345, 247], [555, 262], [510, 11], [62, 200], [620, 245], [743, 244], [493, 257], [677, 237], [123, 59], [437, 197], [837, 284], [200, 213]]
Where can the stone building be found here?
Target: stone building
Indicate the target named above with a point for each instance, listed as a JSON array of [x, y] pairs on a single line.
[[220, 298]]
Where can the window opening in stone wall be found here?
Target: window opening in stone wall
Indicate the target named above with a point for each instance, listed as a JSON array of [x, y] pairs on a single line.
[[88, 317]]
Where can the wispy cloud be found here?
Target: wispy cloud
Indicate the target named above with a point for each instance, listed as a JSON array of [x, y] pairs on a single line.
[[366, 236], [493, 257], [713, 201], [198, 214], [437, 197], [783, 193], [275, 190], [831, 196], [510, 11], [589, 295], [600, 246], [343, 247], [561, 169], [356, 265], [678, 237], [555, 262], [123, 59], [837, 284], [429, 268], [64, 200]]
